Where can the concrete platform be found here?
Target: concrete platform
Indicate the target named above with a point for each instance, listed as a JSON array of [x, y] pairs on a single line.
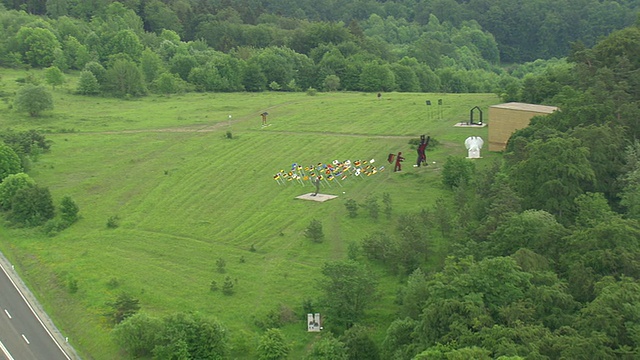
[[318, 198], [464, 124]]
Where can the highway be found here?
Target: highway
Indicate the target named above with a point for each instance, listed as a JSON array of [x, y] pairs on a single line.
[[23, 335]]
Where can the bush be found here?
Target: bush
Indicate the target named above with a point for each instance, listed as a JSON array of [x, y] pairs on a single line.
[[113, 222], [386, 200], [33, 99], [352, 207], [331, 83], [123, 307], [31, 206], [312, 92], [9, 162], [277, 318], [88, 84], [69, 210], [227, 287], [314, 231], [10, 185], [221, 265], [29, 142], [113, 283], [54, 226], [273, 346], [371, 204], [457, 171], [379, 246], [72, 286], [138, 334]]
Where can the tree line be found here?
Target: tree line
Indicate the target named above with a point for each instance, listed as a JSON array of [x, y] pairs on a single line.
[[524, 30], [120, 51]]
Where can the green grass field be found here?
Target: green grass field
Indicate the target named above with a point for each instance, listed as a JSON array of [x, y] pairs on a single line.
[[186, 195]]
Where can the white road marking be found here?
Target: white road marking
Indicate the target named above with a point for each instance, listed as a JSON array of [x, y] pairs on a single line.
[[25, 339], [33, 312], [5, 351], [7, 312]]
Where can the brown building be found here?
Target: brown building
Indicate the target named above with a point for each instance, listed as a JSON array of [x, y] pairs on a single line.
[[505, 119]]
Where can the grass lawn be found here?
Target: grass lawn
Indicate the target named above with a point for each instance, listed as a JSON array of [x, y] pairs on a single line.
[[186, 195]]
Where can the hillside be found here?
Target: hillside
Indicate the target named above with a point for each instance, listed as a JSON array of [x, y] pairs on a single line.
[[186, 196]]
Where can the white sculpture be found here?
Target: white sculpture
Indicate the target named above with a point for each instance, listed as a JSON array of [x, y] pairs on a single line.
[[474, 144]]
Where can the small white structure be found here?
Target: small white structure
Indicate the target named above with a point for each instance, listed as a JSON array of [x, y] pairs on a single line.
[[474, 144], [313, 321]]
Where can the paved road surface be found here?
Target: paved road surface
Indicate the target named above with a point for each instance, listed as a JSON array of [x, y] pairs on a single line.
[[23, 335]]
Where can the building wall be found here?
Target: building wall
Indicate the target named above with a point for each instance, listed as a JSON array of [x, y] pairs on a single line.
[[505, 121]]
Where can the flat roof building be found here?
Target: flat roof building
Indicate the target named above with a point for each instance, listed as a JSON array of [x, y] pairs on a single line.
[[505, 119]]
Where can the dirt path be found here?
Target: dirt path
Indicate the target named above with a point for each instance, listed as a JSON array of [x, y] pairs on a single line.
[[196, 128]]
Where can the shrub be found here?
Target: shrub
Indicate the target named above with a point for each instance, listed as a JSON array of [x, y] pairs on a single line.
[[113, 283], [33, 99], [273, 346], [276, 318], [331, 83], [123, 307], [221, 264], [10, 185], [9, 162], [113, 222], [72, 286], [352, 207], [227, 287], [69, 210], [31, 206], [314, 231], [54, 226], [386, 200], [371, 204], [457, 171], [87, 84]]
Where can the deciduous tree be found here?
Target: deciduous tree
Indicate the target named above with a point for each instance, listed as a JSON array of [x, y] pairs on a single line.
[[349, 287], [33, 99], [37, 46], [87, 84], [192, 336], [457, 171], [327, 348], [54, 76], [69, 210], [31, 206], [359, 344], [124, 78], [314, 231], [9, 162], [138, 334], [273, 346], [375, 77], [552, 175]]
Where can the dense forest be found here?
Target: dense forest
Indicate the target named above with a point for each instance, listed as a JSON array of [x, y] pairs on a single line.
[[545, 244], [133, 47]]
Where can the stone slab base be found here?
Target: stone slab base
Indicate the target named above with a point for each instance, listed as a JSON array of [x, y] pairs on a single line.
[[318, 198]]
